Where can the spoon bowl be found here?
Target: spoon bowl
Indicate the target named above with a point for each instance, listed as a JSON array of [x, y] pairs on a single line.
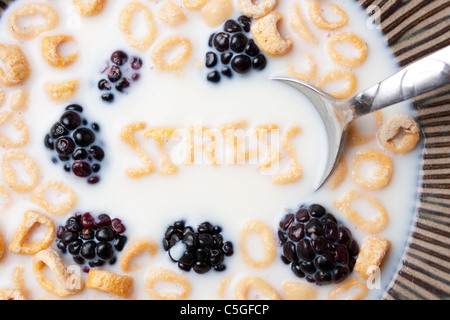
[[422, 76]]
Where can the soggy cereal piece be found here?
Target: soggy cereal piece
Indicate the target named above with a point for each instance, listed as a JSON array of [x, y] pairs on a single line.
[[171, 14], [247, 284], [371, 255], [135, 249], [62, 91], [18, 279], [17, 121], [2, 246], [14, 67], [299, 291], [349, 285], [50, 51], [177, 62], [19, 100], [118, 285], [2, 97], [372, 226], [295, 171], [318, 19], [355, 41], [339, 174], [89, 7], [380, 177], [39, 197], [308, 76], [268, 38], [356, 138], [257, 9], [32, 31], [19, 243], [12, 294], [267, 240], [194, 4], [67, 283], [158, 276], [10, 175], [217, 11], [339, 75], [126, 22], [299, 25], [393, 127]]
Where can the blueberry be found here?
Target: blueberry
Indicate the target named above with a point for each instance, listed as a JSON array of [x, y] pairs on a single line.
[[238, 42], [232, 26], [58, 130], [119, 58], [84, 137], [221, 41], [213, 76], [259, 62], [105, 250], [211, 59], [225, 57], [71, 120], [104, 234], [65, 146], [81, 169], [245, 23], [251, 48]]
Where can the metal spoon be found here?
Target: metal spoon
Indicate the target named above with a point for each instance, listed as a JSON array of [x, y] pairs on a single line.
[[422, 76]]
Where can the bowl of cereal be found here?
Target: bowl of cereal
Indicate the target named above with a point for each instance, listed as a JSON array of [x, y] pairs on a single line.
[[146, 154]]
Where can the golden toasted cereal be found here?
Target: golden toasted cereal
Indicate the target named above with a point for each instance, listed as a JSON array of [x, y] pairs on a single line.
[[339, 174], [262, 133], [295, 171], [50, 51], [135, 249], [221, 289], [67, 283], [32, 31], [161, 135], [2, 97], [6, 198], [371, 255], [199, 132], [268, 243], [17, 121], [14, 69], [256, 283], [299, 25], [177, 62], [12, 294], [194, 4], [10, 176], [119, 285], [171, 14], [126, 21], [372, 226], [128, 136], [268, 38], [299, 291], [305, 76], [356, 138], [2, 246], [349, 286], [20, 243], [217, 11], [19, 100], [257, 9], [18, 279], [60, 209], [157, 276], [339, 75], [355, 41], [393, 127], [317, 18], [62, 91], [89, 7], [239, 154], [380, 176]]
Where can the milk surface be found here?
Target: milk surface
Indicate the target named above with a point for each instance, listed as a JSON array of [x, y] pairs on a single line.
[[228, 195]]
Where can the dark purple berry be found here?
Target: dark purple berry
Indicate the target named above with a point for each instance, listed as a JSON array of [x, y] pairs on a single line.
[[241, 64], [136, 63], [245, 23], [117, 226], [238, 42], [210, 59], [231, 26], [58, 130], [221, 41], [252, 48], [108, 97], [123, 84], [259, 62], [104, 234], [119, 58], [225, 57], [213, 76], [104, 85], [105, 250], [114, 74], [226, 72], [84, 137], [65, 146], [71, 120], [79, 154], [81, 169]]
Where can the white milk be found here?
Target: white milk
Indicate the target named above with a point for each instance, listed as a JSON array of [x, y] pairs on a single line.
[[226, 195]]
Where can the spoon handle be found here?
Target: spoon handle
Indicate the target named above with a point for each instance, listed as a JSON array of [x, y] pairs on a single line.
[[424, 75]]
